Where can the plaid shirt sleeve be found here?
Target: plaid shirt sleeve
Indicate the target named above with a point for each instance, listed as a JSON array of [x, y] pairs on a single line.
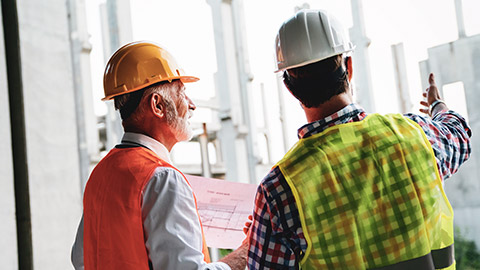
[[276, 239], [449, 135]]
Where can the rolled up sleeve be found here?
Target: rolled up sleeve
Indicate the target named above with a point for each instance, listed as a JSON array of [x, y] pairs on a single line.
[[449, 134]]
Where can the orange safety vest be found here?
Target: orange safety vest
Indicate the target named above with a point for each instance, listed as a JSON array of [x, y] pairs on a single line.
[[113, 229]]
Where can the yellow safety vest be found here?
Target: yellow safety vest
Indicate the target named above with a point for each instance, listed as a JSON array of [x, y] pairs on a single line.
[[370, 196]]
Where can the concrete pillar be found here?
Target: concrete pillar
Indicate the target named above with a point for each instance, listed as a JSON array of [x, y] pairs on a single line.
[[203, 141], [8, 231], [400, 68], [51, 131], [282, 114], [232, 85], [87, 133], [363, 91], [460, 21], [116, 32], [245, 80]]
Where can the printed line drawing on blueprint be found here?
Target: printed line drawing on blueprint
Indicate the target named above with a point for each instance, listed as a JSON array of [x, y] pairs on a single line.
[[224, 217], [224, 208]]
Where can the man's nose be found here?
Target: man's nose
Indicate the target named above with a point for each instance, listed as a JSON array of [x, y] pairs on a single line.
[[191, 105]]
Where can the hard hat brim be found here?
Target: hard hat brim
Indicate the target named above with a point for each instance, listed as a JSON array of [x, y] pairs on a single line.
[[184, 79], [283, 68]]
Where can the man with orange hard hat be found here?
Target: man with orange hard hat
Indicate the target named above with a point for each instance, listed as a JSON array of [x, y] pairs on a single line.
[[139, 210]]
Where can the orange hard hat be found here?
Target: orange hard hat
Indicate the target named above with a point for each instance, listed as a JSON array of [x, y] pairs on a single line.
[[138, 65]]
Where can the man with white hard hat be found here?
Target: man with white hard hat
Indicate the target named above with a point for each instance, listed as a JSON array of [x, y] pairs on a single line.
[[139, 210], [358, 190]]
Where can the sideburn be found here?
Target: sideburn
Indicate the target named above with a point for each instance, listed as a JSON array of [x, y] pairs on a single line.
[[170, 110]]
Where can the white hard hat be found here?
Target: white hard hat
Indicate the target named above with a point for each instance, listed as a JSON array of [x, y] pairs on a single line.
[[310, 36]]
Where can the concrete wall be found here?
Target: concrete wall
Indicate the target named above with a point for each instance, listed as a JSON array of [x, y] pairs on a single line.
[[50, 131], [453, 62], [8, 230]]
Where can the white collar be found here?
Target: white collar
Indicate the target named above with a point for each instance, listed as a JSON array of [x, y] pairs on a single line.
[[149, 142]]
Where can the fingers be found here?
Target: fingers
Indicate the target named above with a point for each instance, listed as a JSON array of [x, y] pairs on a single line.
[[247, 227], [431, 79], [247, 230], [248, 224]]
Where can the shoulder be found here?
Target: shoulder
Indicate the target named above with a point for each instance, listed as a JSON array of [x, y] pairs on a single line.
[[168, 192], [274, 190], [419, 119], [167, 173], [272, 182], [168, 179]]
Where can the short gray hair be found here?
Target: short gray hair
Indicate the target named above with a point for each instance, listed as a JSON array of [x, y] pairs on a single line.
[[127, 104]]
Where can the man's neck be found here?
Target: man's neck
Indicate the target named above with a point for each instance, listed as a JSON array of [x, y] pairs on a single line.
[[330, 107], [162, 135]]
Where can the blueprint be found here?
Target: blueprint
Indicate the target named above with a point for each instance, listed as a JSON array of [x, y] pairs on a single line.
[[224, 208]]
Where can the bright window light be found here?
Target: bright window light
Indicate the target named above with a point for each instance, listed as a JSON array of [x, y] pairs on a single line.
[[193, 156], [454, 96], [212, 153]]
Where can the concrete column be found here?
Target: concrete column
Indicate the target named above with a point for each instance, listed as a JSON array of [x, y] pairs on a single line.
[[51, 131], [203, 141], [282, 114], [232, 85], [8, 231], [401, 78], [87, 133], [363, 91], [116, 32], [266, 125], [460, 21]]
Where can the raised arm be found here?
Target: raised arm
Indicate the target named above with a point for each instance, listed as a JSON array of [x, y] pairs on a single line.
[[447, 131]]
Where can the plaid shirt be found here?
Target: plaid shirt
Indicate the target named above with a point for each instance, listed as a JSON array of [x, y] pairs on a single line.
[[277, 240]]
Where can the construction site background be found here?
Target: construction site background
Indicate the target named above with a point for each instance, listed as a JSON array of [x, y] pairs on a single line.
[[55, 128]]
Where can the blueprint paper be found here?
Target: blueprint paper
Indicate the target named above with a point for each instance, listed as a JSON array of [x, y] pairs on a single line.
[[224, 208]]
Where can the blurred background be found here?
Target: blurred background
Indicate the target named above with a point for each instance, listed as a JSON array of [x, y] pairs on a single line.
[[55, 128]]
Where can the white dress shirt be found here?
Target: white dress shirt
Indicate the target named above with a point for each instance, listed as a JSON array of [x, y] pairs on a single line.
[[173, 235]]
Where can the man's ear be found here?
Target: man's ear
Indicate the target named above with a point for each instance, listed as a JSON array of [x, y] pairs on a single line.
[[348, 62], [286, 81], [156, 105]]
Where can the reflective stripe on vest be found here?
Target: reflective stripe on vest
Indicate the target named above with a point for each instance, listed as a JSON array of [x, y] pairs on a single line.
[[437, 259], [369, 195], [112, 208]]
